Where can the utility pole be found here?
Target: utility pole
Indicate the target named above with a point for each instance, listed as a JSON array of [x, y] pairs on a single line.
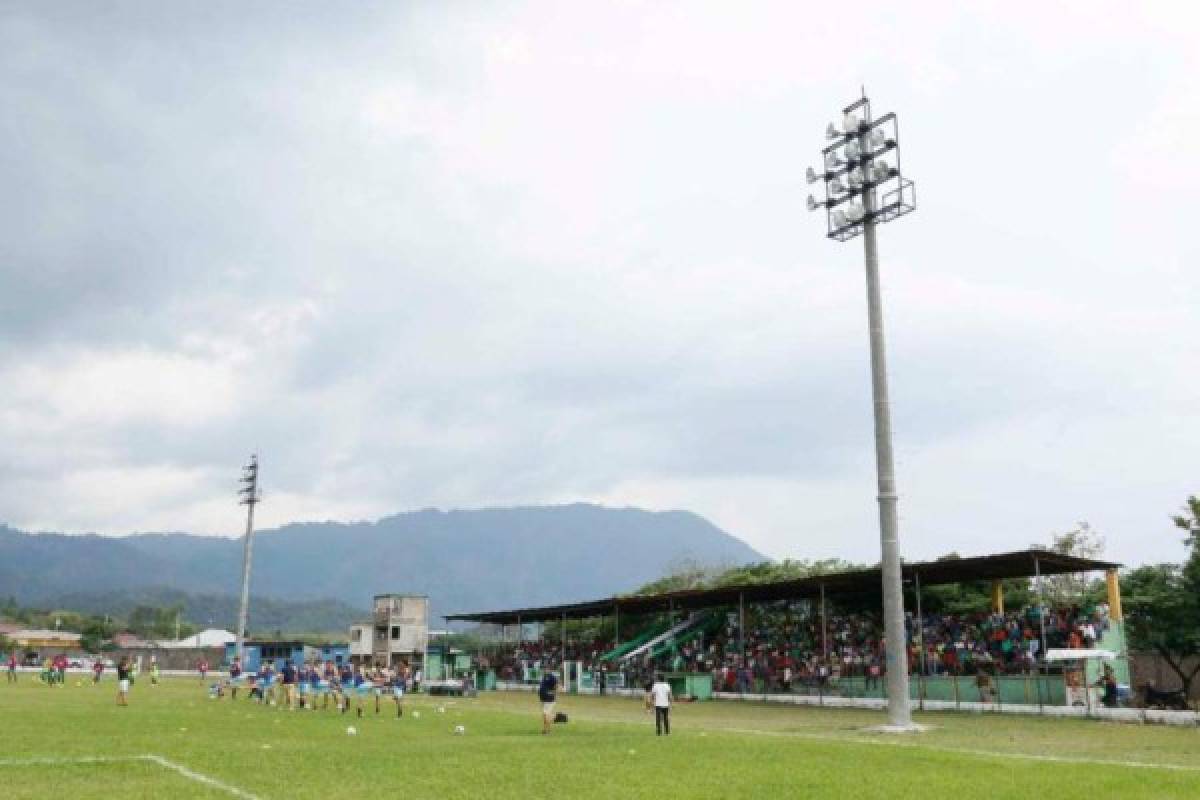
[[863, 190], [249, 498]]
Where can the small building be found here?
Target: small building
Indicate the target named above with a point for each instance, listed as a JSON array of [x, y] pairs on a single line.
[[257, 652], [397, 633], [34, 646]]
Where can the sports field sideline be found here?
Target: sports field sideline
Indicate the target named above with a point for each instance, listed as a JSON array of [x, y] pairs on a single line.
[[174, 742]]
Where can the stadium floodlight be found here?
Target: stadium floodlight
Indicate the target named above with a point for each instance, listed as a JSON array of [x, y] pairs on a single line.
[[811, 176], [250, 497], [885, 195], [813, 205], [832, 132]]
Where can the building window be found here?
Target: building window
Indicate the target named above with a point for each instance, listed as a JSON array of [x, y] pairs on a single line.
[[395, 631], [356, 634]]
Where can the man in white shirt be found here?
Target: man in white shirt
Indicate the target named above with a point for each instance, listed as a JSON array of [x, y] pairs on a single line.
[[660, 696]]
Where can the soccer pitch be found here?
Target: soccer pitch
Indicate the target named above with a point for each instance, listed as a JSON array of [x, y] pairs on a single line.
[[172, 741]]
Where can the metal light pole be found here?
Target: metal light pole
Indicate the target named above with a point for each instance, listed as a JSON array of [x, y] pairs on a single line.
[[854, 172], [249, 498]]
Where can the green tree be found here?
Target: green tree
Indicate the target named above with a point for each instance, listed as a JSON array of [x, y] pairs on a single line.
[[1163, 603]]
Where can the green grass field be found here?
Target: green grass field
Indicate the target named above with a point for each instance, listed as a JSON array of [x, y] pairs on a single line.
[[172, 741]]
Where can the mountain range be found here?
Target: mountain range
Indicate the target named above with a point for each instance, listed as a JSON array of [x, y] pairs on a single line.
[[463, 560]]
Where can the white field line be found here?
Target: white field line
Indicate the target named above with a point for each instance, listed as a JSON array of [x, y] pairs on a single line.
[[149, 758], [899, 740]]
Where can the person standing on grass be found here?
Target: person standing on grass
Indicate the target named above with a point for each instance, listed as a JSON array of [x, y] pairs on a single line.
[[97, 670], [287, 677], [123, 674], [235, 677], [12, 667], [547, 694], [660, 697]]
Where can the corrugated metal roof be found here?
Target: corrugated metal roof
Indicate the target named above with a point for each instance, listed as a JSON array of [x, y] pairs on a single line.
[[1019, 564]]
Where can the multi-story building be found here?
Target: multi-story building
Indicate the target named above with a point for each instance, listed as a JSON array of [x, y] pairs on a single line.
[[398, 632]]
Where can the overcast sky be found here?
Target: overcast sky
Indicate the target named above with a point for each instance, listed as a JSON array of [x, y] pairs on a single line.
[[473, 254]]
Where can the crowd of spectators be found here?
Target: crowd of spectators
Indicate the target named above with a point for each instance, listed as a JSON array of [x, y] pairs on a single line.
[[782, 650]]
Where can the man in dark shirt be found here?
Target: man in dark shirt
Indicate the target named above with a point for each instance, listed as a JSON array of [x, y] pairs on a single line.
[[546, 693], [124, 671], [288, 678]]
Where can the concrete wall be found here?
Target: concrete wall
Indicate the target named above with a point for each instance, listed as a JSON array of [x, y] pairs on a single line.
[[174, 658]]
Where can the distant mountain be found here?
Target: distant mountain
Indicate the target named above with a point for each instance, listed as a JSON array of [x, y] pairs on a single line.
[[464, 560], [219, 611]]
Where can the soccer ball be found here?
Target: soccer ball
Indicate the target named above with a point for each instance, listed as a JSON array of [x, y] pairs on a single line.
[[459, 730], [351, 731]]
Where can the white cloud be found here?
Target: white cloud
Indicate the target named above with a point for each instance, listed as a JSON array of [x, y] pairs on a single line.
[[471, 256]]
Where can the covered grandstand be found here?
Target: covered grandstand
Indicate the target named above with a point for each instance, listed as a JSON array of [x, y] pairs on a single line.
[[790, 635]]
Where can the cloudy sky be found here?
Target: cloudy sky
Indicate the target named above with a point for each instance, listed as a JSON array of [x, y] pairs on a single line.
[[476, 254]]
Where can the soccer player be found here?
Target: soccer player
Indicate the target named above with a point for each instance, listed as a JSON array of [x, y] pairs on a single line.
[[235, 677], [266, 683], [398, 681], [546, 693], [154, 670], [203, 667], [287, 677], [124, 673], [97, 670], [12, 667], [660, 696]]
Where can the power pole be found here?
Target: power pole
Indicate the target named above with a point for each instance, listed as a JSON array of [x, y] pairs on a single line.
[[249, 498]]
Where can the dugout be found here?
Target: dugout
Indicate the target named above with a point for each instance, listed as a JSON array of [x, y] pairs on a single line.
[[696, 607]]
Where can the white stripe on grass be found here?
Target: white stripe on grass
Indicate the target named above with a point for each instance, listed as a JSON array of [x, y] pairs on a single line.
[[892, 741], [150, 758]]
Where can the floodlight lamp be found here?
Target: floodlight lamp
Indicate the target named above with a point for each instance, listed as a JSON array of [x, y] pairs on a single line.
[[813, 205], [832, 161], [853, 150], [836, 187], [855, 212], [877, 138], [850, 123], [811, 176], [880, 171], [832, 133], [840, 220], [855, 177]]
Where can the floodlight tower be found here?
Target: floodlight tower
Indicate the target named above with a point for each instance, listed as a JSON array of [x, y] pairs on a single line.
[[250, 497], [863, 189]]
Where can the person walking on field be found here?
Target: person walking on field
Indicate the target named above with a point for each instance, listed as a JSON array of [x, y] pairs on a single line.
[[660, 697], [123, 673], [12, 667], [546, 694]]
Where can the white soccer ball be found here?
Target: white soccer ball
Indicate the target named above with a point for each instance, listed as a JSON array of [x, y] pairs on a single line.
[[352, 731], [459, 730]]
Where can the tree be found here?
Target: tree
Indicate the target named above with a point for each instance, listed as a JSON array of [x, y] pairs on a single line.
[[6, 644], [1083, 541], [1163, 603]]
